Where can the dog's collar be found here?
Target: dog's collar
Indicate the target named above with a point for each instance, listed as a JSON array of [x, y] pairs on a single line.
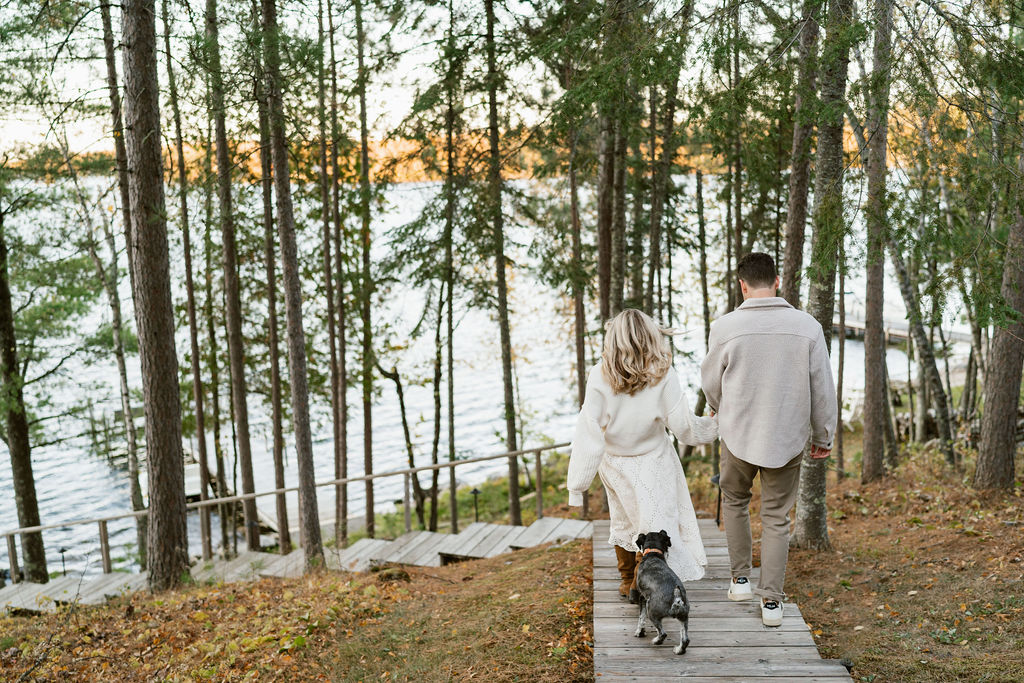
[[652, 550]]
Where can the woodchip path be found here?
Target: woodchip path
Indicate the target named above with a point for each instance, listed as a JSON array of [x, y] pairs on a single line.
[[727, 640]]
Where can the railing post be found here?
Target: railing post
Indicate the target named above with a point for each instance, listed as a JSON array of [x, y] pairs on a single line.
[[204, 530], [105, 547], [407, 503], [512, 510], [586, 505], [12, 552], [540, 487]]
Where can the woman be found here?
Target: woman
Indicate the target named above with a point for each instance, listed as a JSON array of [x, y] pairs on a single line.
[[632, 395]]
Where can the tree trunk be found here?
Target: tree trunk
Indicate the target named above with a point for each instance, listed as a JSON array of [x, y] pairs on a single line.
[[840, 455], [800, 160], [605, 203], [16, 426], [577, 273], [120, 155], [284, 537], [366, 292], [449, 261], [873, 465], [811, 527], [308, 511], [341, 456], [926, 357], [737, 166], [497, 216], [325, 221], [702, 244], [225, 511], [435, 445], [154, 311], [232, 296], [892, 448], [619, 221], [998, 446], [417, 491], [662, 179]]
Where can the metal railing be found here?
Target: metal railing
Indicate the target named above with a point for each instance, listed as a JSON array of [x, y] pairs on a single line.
[[406, 474]]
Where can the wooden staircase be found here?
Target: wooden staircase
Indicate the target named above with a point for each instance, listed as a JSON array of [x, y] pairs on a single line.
[[422, 548]]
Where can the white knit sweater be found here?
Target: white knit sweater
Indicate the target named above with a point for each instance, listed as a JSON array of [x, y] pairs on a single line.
[[624, 425]]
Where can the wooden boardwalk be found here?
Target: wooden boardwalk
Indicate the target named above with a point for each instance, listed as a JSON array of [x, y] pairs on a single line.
[[423, 548], [727, 640]]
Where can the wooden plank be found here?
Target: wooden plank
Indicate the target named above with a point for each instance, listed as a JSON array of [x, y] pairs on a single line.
[[502, 542], [568, 530], [623, 628], [413, 552], [28, 598], [93, 591], [464, 539], [356, 557], [733, 609], [428, 553], [615, 678], [728, 642], [485, 542], [339, 559], [287, 566], [537, 531], [681, 665], [607, 591], [398, 547]]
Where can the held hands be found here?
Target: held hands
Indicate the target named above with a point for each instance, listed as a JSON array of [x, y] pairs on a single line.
[[819, 453]]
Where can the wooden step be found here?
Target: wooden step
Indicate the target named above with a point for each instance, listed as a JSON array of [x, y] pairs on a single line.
[[499, 541], [452, 549], [42, 597], [399, 548], [537, 532], [122, 583], [94, 591], [356, 558], [413, 552], [246, 566], [287, 566], [427, 554]]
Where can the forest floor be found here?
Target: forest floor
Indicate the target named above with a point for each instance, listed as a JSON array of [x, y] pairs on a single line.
[[925, 582], [527, 619]]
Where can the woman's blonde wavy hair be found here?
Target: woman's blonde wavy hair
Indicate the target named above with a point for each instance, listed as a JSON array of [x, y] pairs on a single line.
[[636, 353]]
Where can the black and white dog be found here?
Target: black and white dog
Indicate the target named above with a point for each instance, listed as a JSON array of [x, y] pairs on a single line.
[[661, 592]]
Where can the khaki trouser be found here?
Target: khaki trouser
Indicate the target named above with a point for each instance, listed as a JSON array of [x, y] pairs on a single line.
[[778, 494]]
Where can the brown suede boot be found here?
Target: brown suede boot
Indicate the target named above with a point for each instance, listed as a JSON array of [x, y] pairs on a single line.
[[627, 570], [634, 592]]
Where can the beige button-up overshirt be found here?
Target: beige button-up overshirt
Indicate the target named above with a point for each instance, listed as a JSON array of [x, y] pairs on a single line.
[[768, 376]]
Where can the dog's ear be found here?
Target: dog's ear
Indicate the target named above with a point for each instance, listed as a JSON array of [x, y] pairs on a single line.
[[668, 539], [640, 541]]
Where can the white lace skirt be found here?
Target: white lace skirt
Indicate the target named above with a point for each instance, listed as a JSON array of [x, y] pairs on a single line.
[[649, 493]]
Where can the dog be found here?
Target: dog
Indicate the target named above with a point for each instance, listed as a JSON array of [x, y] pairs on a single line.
[[662, 594]]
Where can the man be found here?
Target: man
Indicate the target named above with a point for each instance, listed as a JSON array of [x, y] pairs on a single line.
[[768, 376]]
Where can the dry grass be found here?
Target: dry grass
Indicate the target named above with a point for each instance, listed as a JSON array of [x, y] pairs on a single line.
[[926, 579], [528, 614]]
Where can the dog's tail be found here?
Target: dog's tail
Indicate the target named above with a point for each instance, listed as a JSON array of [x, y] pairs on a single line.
[[678, 602]]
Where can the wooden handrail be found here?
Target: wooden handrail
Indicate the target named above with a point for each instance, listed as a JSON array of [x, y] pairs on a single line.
[[288, 489]]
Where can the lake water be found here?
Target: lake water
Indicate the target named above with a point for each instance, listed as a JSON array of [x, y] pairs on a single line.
[[73, 484]]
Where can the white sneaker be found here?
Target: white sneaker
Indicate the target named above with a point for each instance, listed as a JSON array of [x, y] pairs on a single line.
[[739, 589], [771, 613]]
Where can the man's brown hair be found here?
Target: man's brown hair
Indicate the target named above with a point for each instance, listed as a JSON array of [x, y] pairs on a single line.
[[757, 269]]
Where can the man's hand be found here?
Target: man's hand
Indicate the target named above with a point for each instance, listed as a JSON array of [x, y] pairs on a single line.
[[819, 453]]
